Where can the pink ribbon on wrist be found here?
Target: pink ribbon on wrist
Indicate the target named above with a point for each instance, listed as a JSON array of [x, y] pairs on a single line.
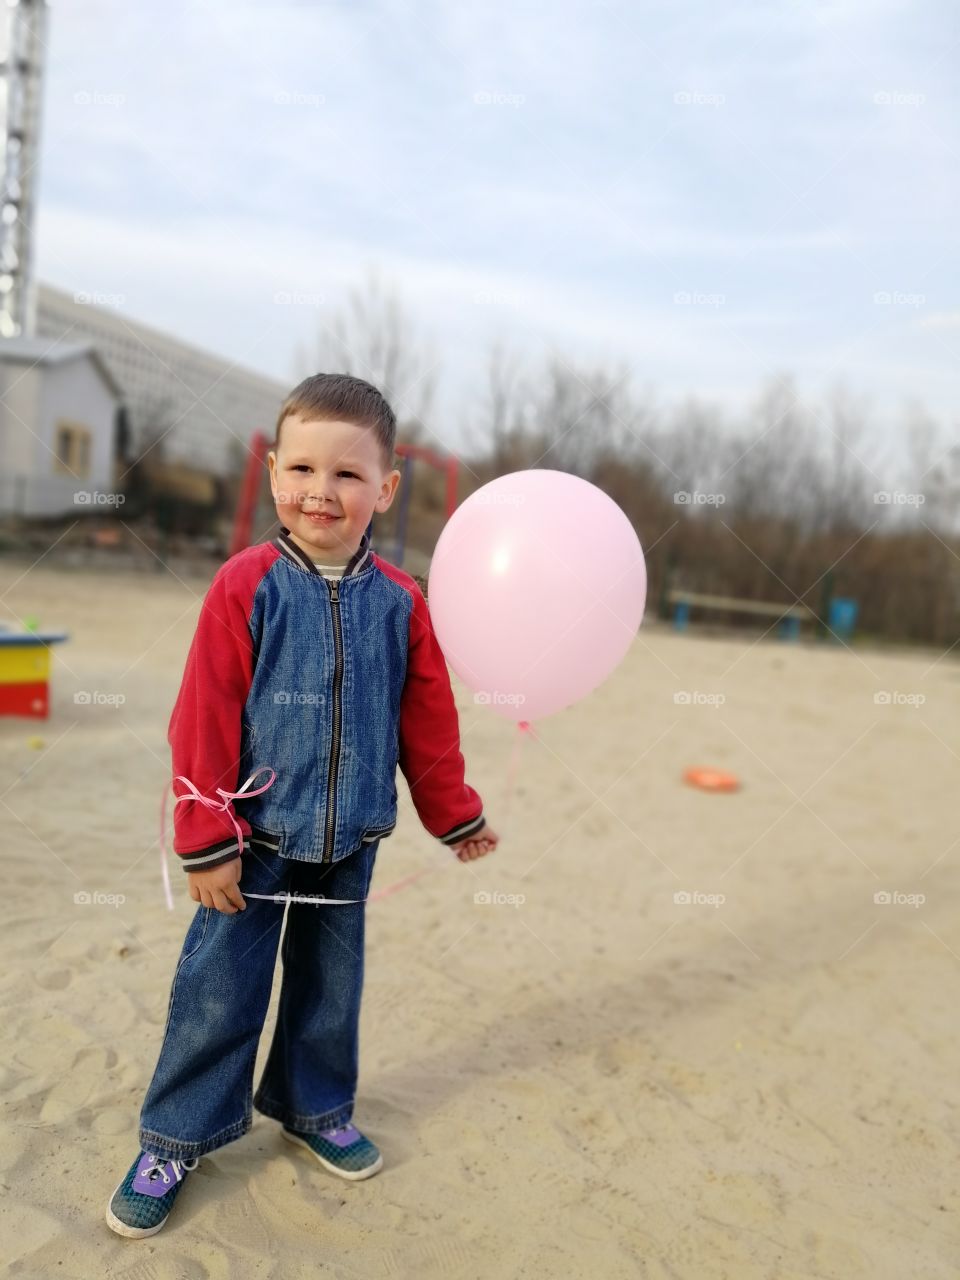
[[217, 806]]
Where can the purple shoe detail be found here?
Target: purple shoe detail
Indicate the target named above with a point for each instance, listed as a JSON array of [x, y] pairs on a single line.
[[155, 1177], [342, 1136]]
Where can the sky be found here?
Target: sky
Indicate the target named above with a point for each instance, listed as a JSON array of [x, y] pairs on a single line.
[[709, 195]]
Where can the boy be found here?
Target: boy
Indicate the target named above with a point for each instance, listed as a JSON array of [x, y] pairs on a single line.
[[315, 658]]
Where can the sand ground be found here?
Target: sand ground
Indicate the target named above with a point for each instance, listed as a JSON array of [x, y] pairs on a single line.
[[598, 1081]]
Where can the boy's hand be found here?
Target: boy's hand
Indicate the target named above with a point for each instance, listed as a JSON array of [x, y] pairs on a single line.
[[485, 841], [218, 887]]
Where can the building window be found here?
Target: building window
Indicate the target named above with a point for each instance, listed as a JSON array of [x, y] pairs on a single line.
[[73, 449]]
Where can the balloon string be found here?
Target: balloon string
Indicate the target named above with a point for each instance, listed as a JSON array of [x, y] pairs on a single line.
[[217, 806], [524, 730], [223, 806]]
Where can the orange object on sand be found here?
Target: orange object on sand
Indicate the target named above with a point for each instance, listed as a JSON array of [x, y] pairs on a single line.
[[711, 779]]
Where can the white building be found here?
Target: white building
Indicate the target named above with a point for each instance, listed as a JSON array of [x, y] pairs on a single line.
[[58, 422], [204, 408], [95, 391]]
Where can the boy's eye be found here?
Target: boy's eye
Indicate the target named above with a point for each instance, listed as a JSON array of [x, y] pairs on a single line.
[[302, 466]]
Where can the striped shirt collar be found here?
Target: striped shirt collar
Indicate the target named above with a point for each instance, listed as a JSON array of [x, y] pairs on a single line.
[[359, 562]]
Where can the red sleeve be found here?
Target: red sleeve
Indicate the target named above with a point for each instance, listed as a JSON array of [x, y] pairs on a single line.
[[204, 732], [430, 755]]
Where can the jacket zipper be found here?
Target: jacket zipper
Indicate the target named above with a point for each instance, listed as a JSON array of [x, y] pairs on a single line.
[[334, 587]]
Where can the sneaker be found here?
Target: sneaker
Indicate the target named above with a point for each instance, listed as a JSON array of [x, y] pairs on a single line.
[[344, 1150], [143, 1200]]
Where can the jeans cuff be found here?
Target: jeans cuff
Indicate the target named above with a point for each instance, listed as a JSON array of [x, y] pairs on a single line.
[[164, 1148], [305, 1124]]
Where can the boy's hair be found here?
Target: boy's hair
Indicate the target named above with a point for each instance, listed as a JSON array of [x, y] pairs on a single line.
[[341, 397]]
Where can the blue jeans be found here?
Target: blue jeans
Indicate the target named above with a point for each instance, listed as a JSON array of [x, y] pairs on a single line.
[[201, 1095]]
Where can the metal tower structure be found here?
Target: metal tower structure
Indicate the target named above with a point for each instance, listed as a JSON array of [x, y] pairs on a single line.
[[23, 26]]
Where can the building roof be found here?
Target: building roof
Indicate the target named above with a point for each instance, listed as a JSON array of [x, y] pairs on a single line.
[[45, 351], [124, 326]]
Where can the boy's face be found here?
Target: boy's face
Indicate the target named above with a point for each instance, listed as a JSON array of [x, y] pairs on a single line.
[[328, 479]]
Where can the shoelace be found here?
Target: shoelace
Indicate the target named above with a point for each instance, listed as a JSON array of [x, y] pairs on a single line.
[[179, 1167]]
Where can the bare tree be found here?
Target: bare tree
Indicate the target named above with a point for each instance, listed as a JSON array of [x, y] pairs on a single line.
[[494, 437], [372, 337]]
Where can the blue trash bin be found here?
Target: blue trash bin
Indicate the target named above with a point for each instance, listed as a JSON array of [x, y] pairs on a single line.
[[842, 617]]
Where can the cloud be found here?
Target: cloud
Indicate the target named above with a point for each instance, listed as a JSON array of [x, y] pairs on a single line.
[[262, 149]]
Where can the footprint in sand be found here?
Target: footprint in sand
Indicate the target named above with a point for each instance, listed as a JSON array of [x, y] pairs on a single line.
[[53, 979]]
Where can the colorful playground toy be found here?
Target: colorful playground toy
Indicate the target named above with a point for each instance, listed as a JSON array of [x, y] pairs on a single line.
[[711, 779], [25, 670]]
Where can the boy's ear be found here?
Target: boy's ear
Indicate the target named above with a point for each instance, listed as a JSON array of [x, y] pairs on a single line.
[[388, 490]]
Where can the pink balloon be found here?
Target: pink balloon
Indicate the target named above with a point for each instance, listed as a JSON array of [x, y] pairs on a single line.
[[537, 587]]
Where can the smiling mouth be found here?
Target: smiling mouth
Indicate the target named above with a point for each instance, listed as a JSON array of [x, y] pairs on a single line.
[[319, 518]]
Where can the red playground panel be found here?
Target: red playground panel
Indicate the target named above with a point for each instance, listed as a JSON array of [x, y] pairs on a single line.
[[25, 672]]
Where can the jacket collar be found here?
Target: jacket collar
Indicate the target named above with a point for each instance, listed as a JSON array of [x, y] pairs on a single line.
[[359, 562]]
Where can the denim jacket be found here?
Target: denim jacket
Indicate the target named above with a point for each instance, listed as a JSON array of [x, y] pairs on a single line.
[[330, 683]]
